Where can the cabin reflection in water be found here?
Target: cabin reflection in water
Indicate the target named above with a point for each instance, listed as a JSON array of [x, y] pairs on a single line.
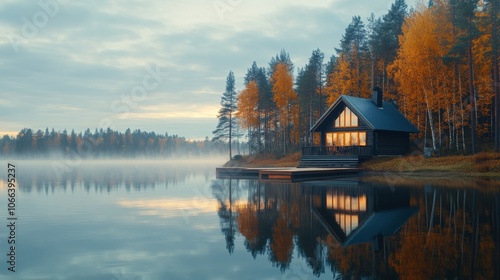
[[354, 212], [359, 229]]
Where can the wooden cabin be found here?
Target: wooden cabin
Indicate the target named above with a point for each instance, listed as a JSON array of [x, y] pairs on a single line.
[[354, 129]]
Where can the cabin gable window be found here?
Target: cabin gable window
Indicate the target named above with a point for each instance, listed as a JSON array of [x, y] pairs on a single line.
[[346, 119]]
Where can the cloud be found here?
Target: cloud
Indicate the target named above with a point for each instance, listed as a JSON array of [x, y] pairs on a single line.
[[89, 54], [172, 207]]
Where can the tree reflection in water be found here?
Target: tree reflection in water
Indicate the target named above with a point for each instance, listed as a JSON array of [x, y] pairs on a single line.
[[361, 229], [106, 175]]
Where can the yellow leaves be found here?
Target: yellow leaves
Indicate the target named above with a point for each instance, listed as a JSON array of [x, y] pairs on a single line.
[[284, 94], [350, 77], [482, 52], [339, 80], [423, 80], [247, 106], [426, 82], [286, 99]]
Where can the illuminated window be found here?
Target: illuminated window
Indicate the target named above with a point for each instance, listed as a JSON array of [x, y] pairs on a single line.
[[362, 203], [340, 139], [337, 201], [347, 138], [329, 140], [346, 119], [362, 138], [354, 139], [347, 223]]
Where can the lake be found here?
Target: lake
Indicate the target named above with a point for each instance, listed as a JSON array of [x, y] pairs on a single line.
[[114, 220]]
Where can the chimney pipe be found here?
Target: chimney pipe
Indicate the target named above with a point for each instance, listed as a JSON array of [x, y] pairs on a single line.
[[377, 97]]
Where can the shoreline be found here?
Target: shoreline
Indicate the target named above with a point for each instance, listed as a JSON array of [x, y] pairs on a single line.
[[482, 165]]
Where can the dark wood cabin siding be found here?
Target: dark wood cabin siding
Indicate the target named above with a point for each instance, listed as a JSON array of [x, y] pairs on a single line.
[[369, 138], [391, 142]]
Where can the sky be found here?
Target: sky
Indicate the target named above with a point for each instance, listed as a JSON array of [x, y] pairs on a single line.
[[151, 65]]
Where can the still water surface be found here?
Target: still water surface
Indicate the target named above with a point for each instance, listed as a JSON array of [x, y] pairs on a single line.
[[175, 220]]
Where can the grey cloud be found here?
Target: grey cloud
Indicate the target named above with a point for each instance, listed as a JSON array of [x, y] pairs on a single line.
[[93, 53]]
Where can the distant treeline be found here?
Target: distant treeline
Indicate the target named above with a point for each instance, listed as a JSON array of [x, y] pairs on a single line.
[[103, 143]]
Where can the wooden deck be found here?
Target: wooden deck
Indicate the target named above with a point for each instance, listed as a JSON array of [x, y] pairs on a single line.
[[236, 173], [292, 174], [329, 161]]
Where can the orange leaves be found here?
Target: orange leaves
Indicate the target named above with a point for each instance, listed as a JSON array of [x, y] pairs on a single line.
[[248, 223], [350, 76], [339, 81], [426, 84], [432, 78], [419, 57], [282, 242], [285, 98], [247, 106], [284, 95]]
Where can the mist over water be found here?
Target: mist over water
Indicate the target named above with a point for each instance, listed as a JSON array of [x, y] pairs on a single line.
[[172, 219], [106, 219], [59, 172]]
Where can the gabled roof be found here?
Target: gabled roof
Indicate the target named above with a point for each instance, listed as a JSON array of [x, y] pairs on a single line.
[[385, 118], [385, 223]]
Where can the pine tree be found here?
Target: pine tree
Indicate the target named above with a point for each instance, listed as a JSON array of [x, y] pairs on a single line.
[[310, 90], [493, 10], [227, 121], [73, 142], [64, 141], [351, 72], [465, 22]]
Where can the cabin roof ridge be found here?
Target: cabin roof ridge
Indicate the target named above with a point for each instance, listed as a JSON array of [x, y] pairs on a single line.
[[387, 117]]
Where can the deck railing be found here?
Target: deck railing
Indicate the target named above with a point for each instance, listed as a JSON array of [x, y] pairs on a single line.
[[363, 151]]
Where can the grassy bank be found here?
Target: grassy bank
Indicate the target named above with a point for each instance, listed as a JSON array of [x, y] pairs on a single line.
[[265, 161], [482, 164]]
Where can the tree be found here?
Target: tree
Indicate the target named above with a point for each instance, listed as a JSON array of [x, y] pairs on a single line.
[[311, 94], [248, 114], [265, 109], [465, 22], [39, 142], [64, 141], [74, 141], [227, 122], [24, 141], [286, 102], [391, 28], [492, 8], [412, 71], [351, 72]]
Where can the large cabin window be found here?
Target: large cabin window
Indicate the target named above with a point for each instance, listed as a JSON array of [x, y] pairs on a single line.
[[354, 138], [348, 208], [346, 119]]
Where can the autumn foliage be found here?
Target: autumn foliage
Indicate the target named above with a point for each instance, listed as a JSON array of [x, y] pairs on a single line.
[[437, 63]]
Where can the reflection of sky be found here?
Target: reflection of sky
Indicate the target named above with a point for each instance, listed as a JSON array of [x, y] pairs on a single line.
[[153, 233]]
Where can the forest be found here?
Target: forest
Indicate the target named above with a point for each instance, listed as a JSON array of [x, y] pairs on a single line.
[[437, 63], [103, 144]]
